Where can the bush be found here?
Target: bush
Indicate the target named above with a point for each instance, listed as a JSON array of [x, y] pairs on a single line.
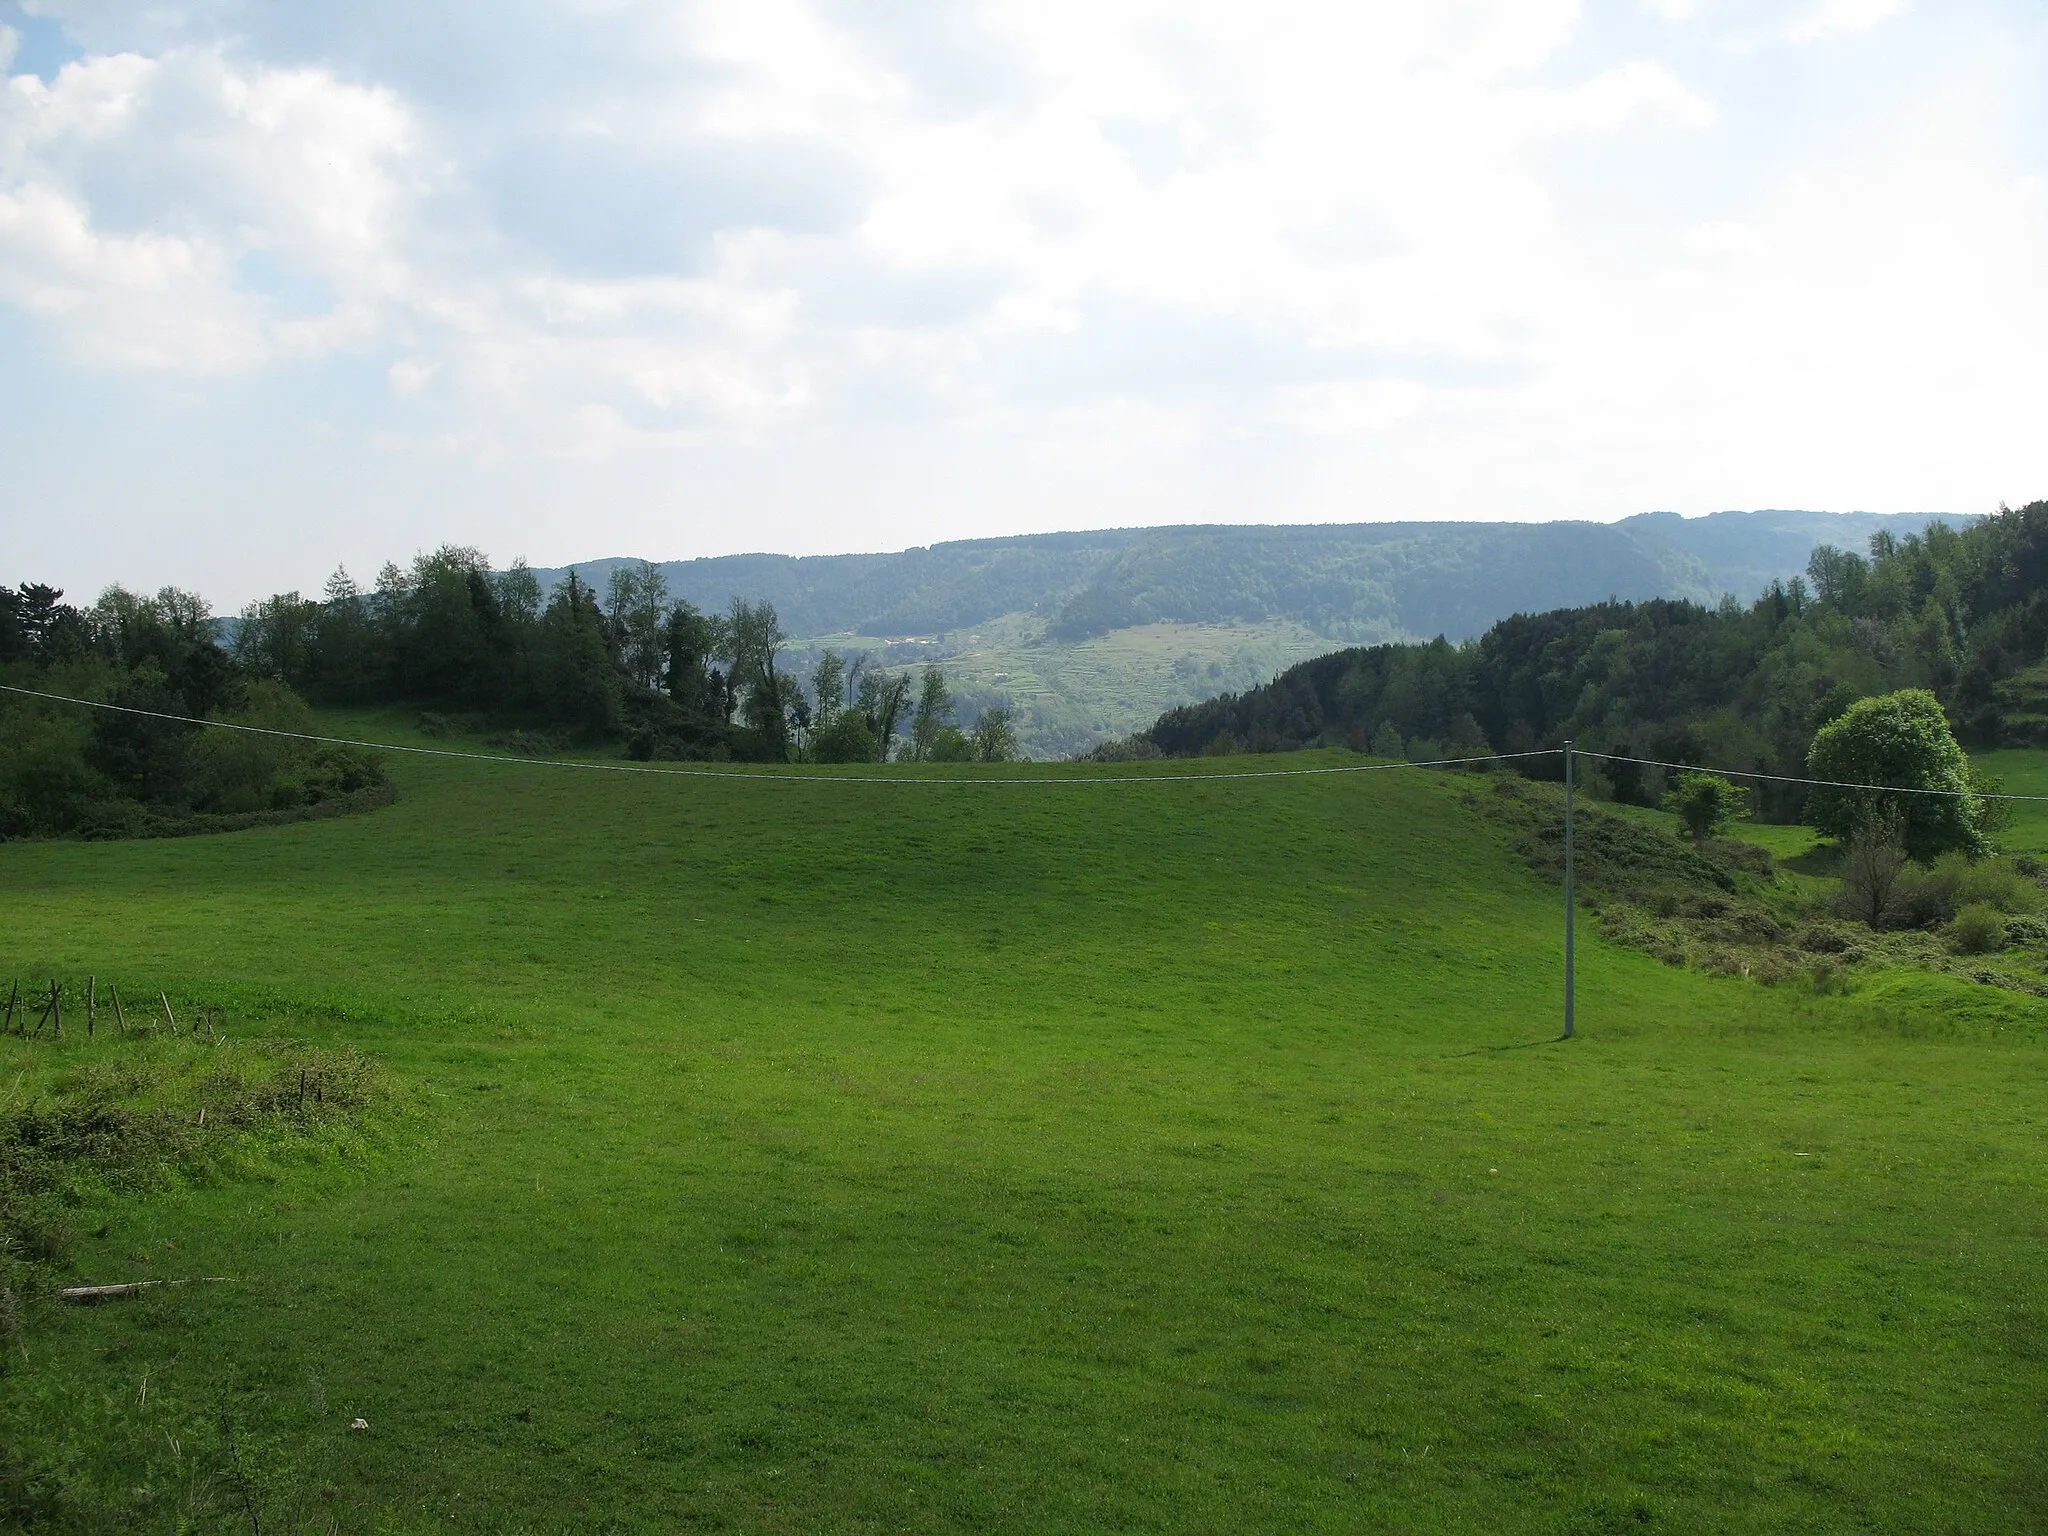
[[1927, 898], [1706, 804], [1828, 978], [1924, 898], [949, 744], [524, 743], [1872, 863], [1819, 940], [848, 739], [1979, 929], [1132, 749], [1999, 884]]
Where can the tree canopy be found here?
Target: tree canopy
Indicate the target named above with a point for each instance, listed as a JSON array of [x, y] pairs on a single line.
[[1903, 740], [1959, 615]]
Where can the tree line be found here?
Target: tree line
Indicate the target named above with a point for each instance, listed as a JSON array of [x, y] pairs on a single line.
[[630, 668], [1962, 615], [630, 664], [145, 769]]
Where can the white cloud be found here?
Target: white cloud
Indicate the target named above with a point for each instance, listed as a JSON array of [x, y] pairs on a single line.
[[133, 190], [1286, 197], [1381, 260], [1842, 18]]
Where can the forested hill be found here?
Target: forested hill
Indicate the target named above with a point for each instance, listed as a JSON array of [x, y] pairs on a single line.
[[1358, 581], [1964, 613]]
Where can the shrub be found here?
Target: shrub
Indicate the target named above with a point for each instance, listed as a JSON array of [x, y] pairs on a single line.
[[1979, 929], [848, 739], [1705, 804], [1871, 865], [1132, 749], [949, 744], [1924, 898], [1999, 884], [524, 743], [1828, 978]]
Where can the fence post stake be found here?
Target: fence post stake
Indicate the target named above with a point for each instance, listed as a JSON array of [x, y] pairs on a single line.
[[1571, 897]]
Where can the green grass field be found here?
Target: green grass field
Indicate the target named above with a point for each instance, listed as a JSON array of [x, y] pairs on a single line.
[[1145, 1156], [2023, 773]]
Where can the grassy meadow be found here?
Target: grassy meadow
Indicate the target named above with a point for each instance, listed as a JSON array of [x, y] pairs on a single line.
[[2022, 773], [1142, 1156]]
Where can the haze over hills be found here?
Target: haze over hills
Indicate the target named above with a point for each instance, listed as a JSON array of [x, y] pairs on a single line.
[[1351, 581], [1093, 634]]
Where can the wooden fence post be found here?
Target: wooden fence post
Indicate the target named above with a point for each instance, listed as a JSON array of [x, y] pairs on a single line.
[[119, 1017], [11, 999], [92, 1005], [172, 1017], [57, 1006]]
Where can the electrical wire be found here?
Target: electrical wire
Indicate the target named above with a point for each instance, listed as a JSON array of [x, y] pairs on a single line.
[[1782, 778], [1010, 779], [798, 778]]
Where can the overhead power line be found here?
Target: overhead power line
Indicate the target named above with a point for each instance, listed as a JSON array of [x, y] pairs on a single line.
[[770, 776], [971, 779], [1784, 778]]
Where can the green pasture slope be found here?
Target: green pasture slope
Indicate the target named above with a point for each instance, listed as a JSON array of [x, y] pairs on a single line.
[[2022, 772], [1135, 1157]]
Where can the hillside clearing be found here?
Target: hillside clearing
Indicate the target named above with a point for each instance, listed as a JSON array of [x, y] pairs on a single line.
[[1182, 1156]]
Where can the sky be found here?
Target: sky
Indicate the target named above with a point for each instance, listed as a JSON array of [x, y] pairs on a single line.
[[284, 287]]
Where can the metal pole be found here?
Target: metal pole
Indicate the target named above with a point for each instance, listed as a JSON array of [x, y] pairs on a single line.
[[1570, 894]]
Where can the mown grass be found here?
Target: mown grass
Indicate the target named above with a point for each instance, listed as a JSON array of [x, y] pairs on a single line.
[[1173, 1156]]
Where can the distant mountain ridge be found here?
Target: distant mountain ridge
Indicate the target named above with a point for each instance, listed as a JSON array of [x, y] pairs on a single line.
[[1352, 582]]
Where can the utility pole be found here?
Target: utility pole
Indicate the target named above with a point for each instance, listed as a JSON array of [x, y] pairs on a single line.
[[1571, 903]]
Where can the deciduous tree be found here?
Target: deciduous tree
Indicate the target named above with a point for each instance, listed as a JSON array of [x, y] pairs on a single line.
[[1901, 744]]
